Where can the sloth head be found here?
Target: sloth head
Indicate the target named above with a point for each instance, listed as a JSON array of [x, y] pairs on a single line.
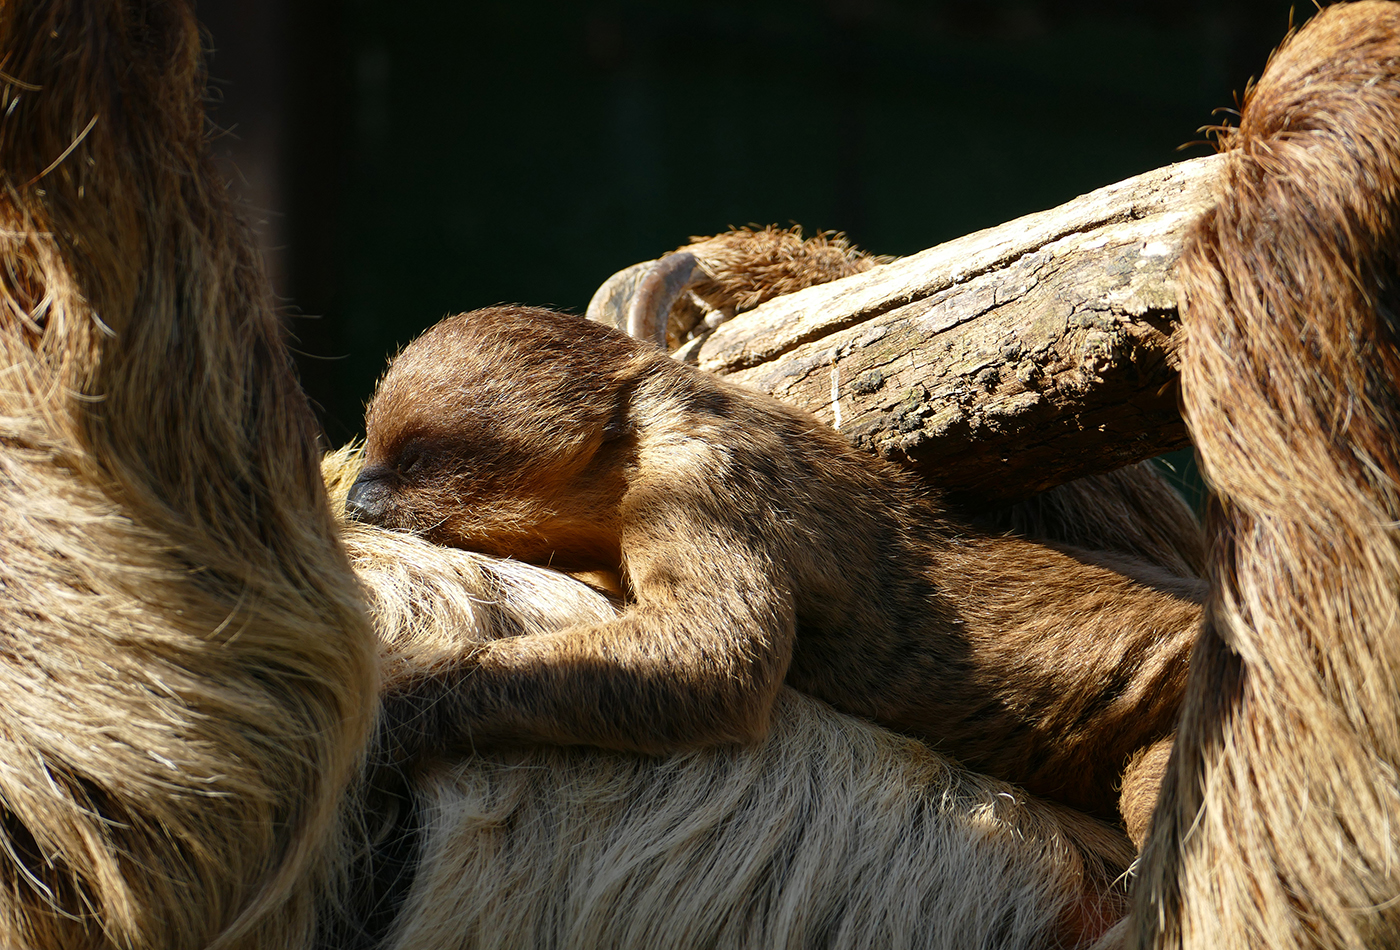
[[504, 431]]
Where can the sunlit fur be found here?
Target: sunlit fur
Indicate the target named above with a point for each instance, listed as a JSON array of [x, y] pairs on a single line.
[[189, 670], [830, 832], [187, 676], [1278, 821], [757, 547]]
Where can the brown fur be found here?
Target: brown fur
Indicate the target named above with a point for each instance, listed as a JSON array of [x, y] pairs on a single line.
[[1277, 825], [188, 676], [745, 267], [757, 545], [830, 832], [1133, 511]]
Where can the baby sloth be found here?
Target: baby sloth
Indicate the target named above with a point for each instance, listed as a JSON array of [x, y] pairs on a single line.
[[755, 546]]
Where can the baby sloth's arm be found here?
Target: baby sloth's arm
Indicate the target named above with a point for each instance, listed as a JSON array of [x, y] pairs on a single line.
[[539, 437], [697, 660]]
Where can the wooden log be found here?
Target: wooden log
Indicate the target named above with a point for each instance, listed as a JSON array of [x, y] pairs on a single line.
[[1000, 364]]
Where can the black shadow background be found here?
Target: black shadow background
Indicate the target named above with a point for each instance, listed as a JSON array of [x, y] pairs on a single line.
[[415, 159]]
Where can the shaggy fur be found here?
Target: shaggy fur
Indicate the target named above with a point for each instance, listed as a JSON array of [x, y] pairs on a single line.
[[756, 545], [831, 832], [187, 677], [1277, 825], [744, 267], [189, 672], [740, 269]]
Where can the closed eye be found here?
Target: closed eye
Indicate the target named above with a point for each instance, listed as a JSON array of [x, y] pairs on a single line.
[[411, 460]]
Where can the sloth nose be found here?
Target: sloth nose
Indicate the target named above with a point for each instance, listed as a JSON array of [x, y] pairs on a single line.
[[365, 500]]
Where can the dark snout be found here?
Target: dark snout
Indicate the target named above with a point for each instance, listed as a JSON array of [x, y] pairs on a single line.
[[368, 499]]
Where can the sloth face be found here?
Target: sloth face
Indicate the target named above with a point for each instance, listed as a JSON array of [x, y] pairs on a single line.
[[498, 431]]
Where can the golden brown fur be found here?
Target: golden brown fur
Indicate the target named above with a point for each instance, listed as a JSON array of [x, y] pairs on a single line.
[[744, 267], [1277, 825], [188, 672], [188, 677], [830, 832], [756, 545], [729, 273]]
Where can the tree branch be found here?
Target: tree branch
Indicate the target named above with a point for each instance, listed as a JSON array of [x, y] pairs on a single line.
[[1000, 364]]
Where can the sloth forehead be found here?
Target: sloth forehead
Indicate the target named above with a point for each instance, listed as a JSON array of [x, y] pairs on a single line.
[[502, 383], [501, 420], [446, 367]]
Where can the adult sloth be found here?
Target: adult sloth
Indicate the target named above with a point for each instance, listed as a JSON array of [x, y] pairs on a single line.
[[190, 675]]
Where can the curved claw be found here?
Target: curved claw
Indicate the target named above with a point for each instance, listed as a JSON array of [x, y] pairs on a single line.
[[658, 291], [612, 301], [638, 299]]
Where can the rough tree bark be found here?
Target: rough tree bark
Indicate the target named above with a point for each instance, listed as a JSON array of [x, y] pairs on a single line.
[[1000, 364]]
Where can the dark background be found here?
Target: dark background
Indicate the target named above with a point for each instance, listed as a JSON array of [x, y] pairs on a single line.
[[413, 159]]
